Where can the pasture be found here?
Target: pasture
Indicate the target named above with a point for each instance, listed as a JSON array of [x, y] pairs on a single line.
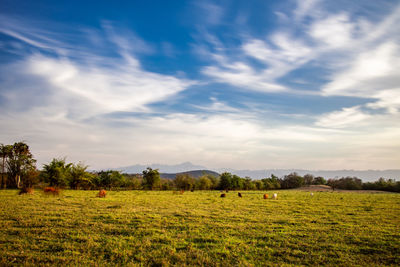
[[199, 228]]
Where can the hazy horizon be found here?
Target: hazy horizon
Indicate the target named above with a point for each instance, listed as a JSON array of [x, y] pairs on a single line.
[[294, 84]]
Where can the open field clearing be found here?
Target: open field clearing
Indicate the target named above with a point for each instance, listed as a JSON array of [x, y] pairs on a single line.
[[199, 228]]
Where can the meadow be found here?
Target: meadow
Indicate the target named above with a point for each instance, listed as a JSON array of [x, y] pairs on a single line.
[[199, 228]]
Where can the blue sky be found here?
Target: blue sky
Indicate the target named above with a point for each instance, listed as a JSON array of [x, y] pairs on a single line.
[[306, 84]]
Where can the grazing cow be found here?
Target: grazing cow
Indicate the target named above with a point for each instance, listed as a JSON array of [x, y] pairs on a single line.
[[102, 193], [223, 195], [182, 191], [239, 194], [275, 196], [51, 190], [265, 196], [227, 190]]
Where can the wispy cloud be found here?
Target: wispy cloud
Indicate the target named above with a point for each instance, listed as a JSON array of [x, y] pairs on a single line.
[[95, 84]]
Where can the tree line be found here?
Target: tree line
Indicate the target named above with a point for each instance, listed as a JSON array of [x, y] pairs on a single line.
[[18, 170]]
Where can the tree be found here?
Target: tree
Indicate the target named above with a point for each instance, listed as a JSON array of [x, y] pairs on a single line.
[[184, 181], [236, 182], [204, 183], [166, 184], [56, 173], [258, 184], [319, 180], [308, 179], [5, 151], [225, 181], [271, 183], [109, 179], [30, 178], [248, 184], [292, 180], [19, 161], [333, 183], [78, 176], [151, 178]]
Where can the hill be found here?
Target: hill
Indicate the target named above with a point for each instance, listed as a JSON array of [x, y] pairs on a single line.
[[195, 174]]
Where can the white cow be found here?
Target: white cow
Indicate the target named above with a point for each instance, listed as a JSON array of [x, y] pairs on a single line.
[[275, 196]]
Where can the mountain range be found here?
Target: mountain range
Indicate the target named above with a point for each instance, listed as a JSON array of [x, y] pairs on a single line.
[[172, 170]]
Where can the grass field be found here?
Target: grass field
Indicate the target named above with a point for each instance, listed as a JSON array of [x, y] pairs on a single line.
[[199, 228]]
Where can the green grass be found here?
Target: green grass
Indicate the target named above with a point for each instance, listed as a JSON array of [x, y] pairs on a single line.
[[199, 228]]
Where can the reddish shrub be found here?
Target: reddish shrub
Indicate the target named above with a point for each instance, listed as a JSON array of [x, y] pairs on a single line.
[[102, 193], [265, 196], [51, 191], [223, 195], [26, 191]]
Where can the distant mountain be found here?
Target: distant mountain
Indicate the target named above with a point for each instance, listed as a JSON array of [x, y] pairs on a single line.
[[162, 168], [195, 174], [172, 170]]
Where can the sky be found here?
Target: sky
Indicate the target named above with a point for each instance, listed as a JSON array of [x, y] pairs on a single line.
[[307, 84]]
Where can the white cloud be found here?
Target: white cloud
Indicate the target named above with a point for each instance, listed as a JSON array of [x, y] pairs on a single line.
[[347, 117], [373, 74], [335, 31], [305, 8], [123, 86]]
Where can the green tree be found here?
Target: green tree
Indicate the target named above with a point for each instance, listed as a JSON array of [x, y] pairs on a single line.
[[30, 178], [56, 173], [248, 184], [184, 181], [151, 178], [204, 183], [109, 179], [166, 184], [308, 179], [258, 184], [236, 182], [225, 181], [319, 180], [78, 176], [5, 151], [19, 162], [292, 180]]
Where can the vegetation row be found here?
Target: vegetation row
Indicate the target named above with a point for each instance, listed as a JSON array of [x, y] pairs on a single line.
[[18, 170]]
